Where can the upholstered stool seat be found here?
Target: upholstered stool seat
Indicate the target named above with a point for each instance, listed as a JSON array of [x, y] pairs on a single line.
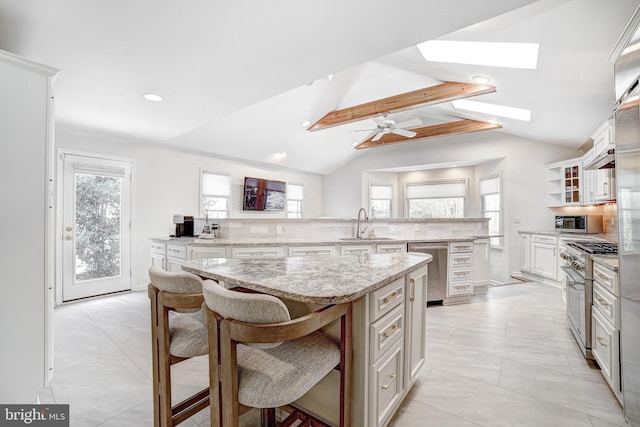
[[188, 335], [277, 376]]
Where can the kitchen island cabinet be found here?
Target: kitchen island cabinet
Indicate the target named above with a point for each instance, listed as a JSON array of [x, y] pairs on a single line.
[[388, 292]]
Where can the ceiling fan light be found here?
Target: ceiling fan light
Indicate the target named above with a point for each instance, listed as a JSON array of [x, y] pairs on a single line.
[[306, 123]]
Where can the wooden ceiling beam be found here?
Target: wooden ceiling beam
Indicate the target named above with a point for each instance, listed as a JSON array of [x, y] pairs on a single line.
[[444, 92], [444, 129]]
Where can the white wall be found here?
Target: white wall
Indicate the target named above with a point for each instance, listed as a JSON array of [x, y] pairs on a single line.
[[520, 162], [167, 182]]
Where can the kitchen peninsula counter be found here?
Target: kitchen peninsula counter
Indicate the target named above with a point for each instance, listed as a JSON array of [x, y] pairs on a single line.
[[388, 293]]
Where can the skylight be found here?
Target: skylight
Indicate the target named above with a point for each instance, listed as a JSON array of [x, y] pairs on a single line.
[[493, 109], [495, 54]]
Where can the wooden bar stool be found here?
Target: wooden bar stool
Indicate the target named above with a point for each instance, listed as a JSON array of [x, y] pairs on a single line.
[[260, 358], [175, 337]]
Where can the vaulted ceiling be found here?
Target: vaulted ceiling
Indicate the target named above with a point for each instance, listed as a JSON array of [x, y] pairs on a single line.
[[238, 78]]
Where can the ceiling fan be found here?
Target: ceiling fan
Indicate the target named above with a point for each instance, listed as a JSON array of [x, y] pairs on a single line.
[[386, 125]]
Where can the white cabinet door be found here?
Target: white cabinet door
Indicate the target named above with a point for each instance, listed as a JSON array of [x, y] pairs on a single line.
[[544, 259], [390, 248], [158, 260], [605, 343], [480, 268], [386, 385], [525, 252], [415, 313], [604, 185]]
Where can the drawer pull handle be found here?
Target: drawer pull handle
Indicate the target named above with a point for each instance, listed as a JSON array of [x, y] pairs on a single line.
[[387, 385], [388, 332], [602, 276], [412, 285], [602, 342], [602, 302], [390, 298]]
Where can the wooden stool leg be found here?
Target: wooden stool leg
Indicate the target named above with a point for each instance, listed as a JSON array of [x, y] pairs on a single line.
[[268, 417]]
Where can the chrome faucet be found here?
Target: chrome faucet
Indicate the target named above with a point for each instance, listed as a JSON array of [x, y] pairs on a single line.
[[360, 232]]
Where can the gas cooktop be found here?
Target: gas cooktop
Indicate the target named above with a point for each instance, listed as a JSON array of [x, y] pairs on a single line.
[[600, 248]]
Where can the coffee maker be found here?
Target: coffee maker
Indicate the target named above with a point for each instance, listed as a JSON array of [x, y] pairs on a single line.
[[184, 225]]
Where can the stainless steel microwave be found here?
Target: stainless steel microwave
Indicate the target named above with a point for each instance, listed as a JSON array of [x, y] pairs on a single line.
[[579, 223]]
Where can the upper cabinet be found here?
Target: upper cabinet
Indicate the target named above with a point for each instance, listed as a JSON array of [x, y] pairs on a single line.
[[565, 183], [587, 180]]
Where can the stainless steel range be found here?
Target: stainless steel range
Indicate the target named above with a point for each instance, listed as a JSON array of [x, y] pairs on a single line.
[[578, 278]]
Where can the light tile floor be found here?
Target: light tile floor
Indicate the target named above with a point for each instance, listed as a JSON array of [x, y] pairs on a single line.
[[506, 359]]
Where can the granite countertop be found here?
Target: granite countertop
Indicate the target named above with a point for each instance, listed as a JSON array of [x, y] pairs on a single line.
[[311, 279], [195, 241], [609, 261]]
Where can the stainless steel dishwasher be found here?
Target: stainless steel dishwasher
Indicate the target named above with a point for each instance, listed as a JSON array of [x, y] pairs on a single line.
[[437, 277]]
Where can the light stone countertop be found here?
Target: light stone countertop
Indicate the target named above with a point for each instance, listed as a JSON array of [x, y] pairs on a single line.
[[195, 241], [314, 279]]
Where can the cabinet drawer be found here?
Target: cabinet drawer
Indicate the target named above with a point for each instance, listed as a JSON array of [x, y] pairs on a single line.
[[460, 274], [202, 252], [158, 248], [319, 250], [460, 260], [177, 251], [386, 299], [462, 288], [386, 331], [391, 249], [606, 278], [460, 247], [355, 249], [605, 346], [265, 252], [550, 240], [607, 304], [386, 385]]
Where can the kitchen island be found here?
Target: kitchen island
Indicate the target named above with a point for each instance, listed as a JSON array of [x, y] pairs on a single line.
[[388, 292]]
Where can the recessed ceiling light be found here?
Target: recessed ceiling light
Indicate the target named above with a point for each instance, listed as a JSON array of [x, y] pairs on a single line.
[[493, 109], [496, 54], [483, 80], [305, 123], [330, 77], [282, 155], [152, 97]]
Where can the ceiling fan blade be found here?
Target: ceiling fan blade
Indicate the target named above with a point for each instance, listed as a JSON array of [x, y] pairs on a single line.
[[409, 123], [365, 130], [378, 136], [403, 132]]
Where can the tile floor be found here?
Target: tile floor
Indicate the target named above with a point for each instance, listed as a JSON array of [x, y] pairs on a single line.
[[506, 359]]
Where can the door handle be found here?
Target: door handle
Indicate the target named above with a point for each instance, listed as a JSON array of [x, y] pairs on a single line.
[[68, 237]]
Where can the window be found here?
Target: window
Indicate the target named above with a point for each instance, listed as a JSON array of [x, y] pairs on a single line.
[[215, 193], [490, 204], [295, 197], [380, 197], [436, 199]]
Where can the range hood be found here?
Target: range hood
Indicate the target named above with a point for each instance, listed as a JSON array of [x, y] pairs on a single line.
[[605, 160]]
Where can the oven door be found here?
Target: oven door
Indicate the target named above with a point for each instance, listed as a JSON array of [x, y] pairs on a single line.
[[576, 303]]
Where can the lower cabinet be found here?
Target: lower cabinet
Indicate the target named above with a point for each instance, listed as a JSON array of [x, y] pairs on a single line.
[[257, 251], [525, 252], [605, 347], [415, 314], [460, 283], [356, 249], [386, 384], [480, 272], [176, 256], [544, 256], [311, 250]]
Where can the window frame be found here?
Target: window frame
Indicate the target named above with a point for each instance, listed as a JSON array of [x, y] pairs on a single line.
[[494, 242], [371, 199], [434, 182], [300, 202], [202, 194]]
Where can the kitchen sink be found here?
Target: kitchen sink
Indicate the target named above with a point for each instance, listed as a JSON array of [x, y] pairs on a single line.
[[354, 239]]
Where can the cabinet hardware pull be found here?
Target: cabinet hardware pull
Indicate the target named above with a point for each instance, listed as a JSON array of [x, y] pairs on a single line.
[[602, 301], [387, 385], [388, 333], [412, 284], [602, 341], [390, 298]]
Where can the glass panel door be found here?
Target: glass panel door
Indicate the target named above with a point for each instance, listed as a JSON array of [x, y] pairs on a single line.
[[96, 227]]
